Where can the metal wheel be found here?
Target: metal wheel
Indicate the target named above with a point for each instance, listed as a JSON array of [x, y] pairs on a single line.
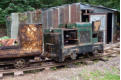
[[73, 56], [95, 51], [20, 63]]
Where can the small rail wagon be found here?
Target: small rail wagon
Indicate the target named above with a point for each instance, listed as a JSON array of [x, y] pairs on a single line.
[[30, 41], [70, 40]]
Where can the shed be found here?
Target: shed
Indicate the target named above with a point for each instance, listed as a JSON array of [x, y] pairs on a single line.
[[108, 17], [68, 14]]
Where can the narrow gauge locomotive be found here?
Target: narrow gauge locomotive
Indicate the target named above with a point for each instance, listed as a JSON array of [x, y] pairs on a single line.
[[57, 44], [71, 40]]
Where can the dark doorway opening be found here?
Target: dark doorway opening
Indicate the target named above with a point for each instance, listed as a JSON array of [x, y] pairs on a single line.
[[85, 16], [109, 27]]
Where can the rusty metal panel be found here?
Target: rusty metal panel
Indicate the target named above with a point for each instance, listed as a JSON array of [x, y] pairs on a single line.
[[96, 26], [30, 42], [55, 17], [52, 45], [75, 13], [30, 36], [14, 53], [78, 13], [66, 14]]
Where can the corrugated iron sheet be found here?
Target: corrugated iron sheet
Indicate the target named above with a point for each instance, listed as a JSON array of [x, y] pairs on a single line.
[[66, 14], [75, 13], [29, 17], [50, 18], [23, 18], [55, 17], [61, 15], [44, 19], [78, 13], [36, 16], [14, 25]]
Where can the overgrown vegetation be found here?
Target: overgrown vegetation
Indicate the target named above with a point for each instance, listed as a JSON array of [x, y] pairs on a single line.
[[9, 6]]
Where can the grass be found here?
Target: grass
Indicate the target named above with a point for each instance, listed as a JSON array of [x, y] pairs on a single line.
[[53, 68], [98, 75], [110, 76]]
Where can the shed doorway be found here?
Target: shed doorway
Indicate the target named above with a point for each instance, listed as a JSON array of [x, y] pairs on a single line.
[[109, 27]]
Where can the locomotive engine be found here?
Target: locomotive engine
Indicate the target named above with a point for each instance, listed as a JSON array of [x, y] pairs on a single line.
[[70, 40]]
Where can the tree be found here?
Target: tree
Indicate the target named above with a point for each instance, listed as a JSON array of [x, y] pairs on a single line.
[[9, 6]]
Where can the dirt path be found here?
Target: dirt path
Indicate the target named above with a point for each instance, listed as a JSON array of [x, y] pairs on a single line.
[[87, 72]]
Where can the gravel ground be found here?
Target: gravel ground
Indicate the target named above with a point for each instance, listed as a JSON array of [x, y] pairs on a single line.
[[73, 73]]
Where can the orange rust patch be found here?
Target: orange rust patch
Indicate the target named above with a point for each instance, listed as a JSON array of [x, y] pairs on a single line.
[[31, 37]]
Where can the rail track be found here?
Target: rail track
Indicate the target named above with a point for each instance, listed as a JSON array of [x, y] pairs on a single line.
[[84, 60]]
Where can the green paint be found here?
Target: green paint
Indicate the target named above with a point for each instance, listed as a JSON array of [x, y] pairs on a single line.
[[79, 26], [94, 40], [75, 25], [59, 30]]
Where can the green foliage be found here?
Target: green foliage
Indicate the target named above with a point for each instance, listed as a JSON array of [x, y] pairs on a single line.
[[9, 6], [107, 3], [3, 38]]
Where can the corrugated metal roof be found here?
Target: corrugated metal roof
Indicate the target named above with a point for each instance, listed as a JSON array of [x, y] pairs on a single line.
[[100, 6]]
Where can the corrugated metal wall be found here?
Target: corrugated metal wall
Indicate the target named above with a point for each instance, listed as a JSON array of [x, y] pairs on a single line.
[[14, 26], [55, 17], [30, 17], [61, 15], [102, 19], [65, 14], [44, 19], [75, 13], [50, 18]]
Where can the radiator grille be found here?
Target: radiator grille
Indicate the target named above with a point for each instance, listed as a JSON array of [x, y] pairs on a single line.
[[85, 37]]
